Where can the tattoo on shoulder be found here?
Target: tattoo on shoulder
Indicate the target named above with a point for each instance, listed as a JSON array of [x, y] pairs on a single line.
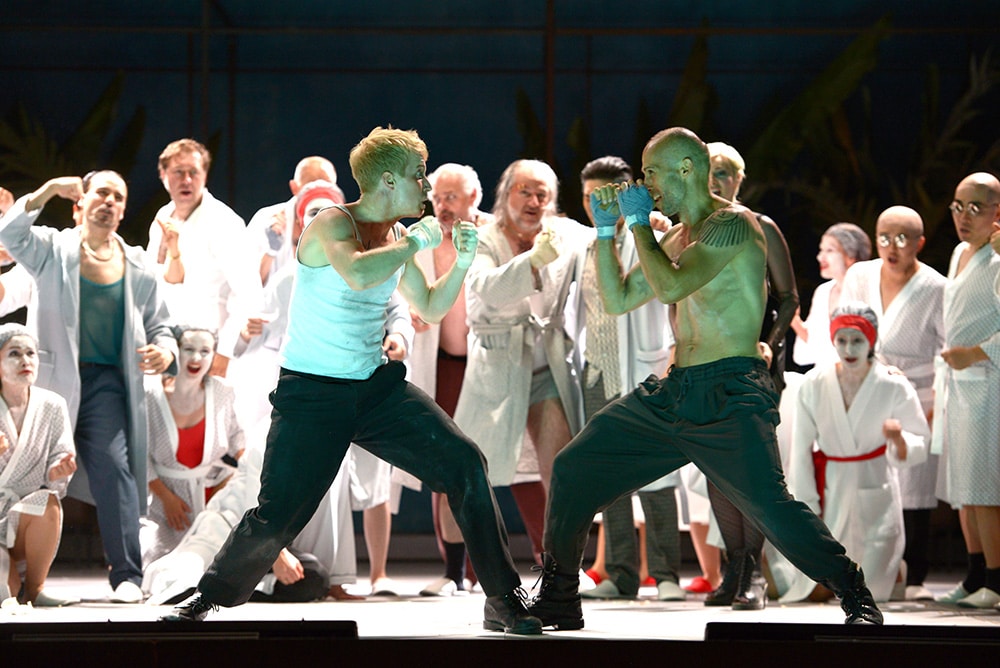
[[724, 228]]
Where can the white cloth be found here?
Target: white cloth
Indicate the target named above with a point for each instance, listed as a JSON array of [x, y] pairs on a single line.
[[819, 348], [257, 240], [221, 286], [52, 257], [325, 536], [910, 335], [45, 438], [223, 436], [966, 420], [18, 290], [493, 405], [862, 505]]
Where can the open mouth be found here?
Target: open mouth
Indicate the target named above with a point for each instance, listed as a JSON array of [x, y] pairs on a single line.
[[193, 369]]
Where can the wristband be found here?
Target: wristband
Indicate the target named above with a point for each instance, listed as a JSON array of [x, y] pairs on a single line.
[[634, 219], [606, 232]]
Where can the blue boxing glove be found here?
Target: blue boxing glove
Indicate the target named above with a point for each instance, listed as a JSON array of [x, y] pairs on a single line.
[[605, 220], [636, 204], [426, 232]]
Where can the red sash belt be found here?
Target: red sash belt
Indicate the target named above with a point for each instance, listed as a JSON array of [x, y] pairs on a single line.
[[820, 459]]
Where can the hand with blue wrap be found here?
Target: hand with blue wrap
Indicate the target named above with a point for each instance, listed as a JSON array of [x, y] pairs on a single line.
[[426, 232], [605, 219], [635, 203]]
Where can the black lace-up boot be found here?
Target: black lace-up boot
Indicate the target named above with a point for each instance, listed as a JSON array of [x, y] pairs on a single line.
[[558, 601], [195, 609], [508, 613], [751, 593], [726, 592], [857, 602]]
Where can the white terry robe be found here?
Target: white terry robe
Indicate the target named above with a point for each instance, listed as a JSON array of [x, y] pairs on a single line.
[[862, 505], [44, 439], [966, 427], [223, 436], [910, 335]]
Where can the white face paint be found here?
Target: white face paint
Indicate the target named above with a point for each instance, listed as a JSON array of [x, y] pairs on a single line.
[[832, 259], [18, 362], [852, 347], [195, 354], [314, 207]]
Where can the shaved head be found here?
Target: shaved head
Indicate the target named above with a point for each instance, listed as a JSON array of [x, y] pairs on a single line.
[[908, 220]]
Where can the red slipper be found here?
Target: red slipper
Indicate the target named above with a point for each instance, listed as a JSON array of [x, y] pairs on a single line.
[[594, 575], [699, 585]]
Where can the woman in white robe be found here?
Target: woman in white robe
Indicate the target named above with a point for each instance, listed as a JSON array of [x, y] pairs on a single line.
[[840, 246], [868, 422], [37, 459], [194, 442]]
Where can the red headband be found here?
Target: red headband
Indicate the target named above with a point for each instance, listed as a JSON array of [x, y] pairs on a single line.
[[853, 322], [307, 194]]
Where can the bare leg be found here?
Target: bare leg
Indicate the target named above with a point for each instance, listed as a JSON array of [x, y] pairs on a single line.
[[549, 431], [970, 530], [709, 557], [36, 543], [988, 529], [599, 566], [643, 555], [378, 527]]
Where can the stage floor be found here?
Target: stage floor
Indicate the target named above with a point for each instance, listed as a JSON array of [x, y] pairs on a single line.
[[411, 616]]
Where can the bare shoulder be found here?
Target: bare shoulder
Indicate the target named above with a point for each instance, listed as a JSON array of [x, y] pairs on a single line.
[[330, 226], [729, 226]]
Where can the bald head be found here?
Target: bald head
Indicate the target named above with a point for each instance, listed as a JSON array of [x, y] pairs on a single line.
[[313, 168], [983, 180], [904, 218], [676, 144]]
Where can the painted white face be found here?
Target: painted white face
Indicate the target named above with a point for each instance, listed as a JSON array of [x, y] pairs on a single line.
[[196, 350], [852, 347], [832, 260], [314, 207], [19, 361]]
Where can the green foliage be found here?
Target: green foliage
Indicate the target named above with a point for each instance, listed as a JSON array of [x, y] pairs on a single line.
[[30, 154]]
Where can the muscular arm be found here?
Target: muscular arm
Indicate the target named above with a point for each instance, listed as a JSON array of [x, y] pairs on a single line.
[[724, 235], [619, 294], [782, 277], [330, 240], [433, 302]]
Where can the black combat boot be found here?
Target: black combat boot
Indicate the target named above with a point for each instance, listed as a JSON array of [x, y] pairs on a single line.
[[558, 601], [726, 592], [857, 601], [508, 613], [195, 609], [751, 593]]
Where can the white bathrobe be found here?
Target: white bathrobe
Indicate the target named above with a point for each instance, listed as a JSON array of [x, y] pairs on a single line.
[[862, 505]]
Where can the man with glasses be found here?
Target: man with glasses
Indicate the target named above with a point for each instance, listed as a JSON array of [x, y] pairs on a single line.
[[906, 295], [967, 389]]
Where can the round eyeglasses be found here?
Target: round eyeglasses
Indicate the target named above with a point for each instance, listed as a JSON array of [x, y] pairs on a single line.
[[974, 208], [899, 240]]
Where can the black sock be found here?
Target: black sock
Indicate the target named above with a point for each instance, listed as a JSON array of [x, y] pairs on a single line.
[[454, 562], [976, 577], [992, 579]]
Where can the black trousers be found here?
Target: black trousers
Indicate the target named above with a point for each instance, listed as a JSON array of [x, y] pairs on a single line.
[[314, 420], [721, 416]]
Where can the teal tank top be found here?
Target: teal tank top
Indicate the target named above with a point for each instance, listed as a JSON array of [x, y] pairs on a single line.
[[334, 330]]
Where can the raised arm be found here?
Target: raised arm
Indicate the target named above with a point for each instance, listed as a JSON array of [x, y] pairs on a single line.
[[724, 235], [432, 303], [620, 292], [330, 239]]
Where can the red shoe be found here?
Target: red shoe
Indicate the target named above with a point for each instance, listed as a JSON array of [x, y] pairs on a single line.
[[699, 585], [650, 581], [594, 575]]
